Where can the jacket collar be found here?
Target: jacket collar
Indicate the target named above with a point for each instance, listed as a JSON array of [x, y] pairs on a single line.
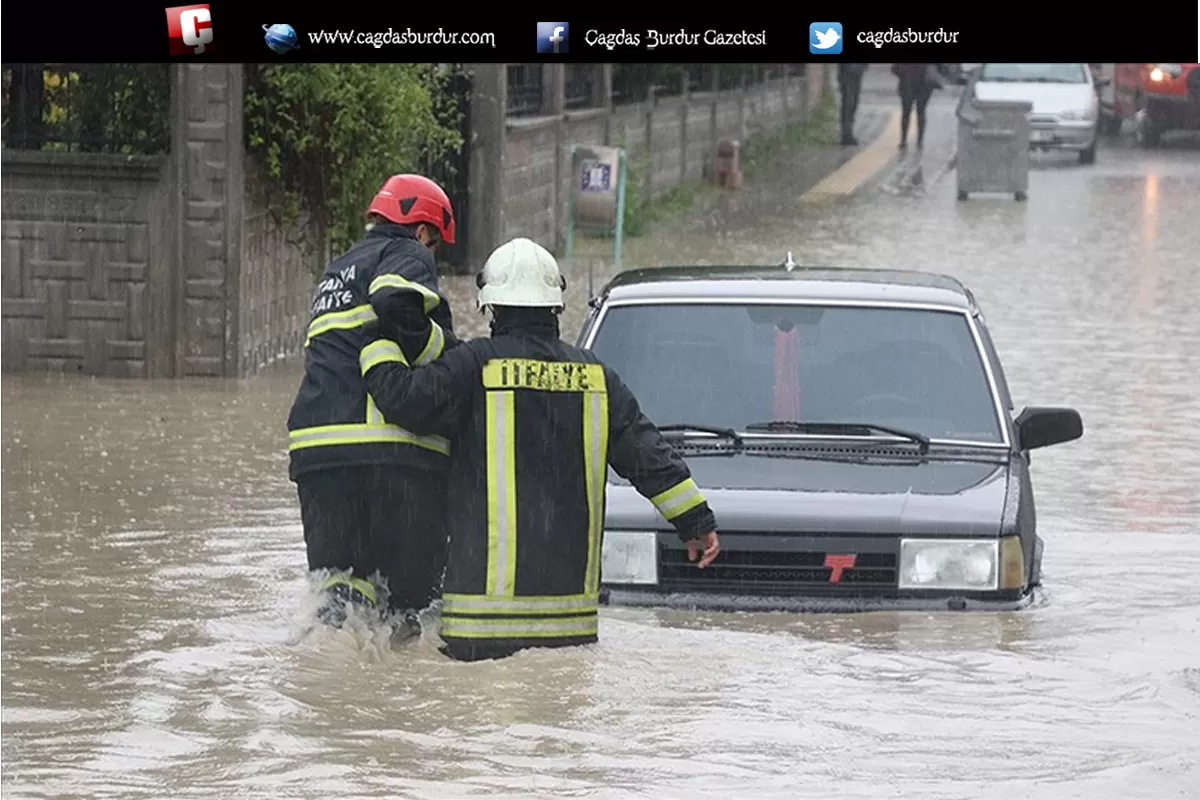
[[538, 322], [391, 230]]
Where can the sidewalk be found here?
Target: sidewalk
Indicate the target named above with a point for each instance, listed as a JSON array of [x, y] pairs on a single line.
[[880, 164], [794, 175], [917, 170]]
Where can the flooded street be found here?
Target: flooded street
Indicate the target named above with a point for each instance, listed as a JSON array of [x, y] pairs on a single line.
[[154, 589]]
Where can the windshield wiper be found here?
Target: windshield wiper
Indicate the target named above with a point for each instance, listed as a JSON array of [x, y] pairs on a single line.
[[839, 428], [685, 427]]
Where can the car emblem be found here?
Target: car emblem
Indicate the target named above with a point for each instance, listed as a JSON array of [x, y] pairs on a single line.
[[837, 564]]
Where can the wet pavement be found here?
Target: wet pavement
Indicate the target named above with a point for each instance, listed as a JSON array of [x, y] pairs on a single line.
[[153, 584]]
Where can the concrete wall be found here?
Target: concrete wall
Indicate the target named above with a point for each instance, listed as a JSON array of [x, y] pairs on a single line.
[[149, 266], [673, 139]]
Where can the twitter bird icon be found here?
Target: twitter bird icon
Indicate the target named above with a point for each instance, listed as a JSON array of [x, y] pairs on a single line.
[[825, 38]]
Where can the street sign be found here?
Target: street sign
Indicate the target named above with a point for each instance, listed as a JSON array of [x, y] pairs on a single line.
[[597, 177], [597, 201]]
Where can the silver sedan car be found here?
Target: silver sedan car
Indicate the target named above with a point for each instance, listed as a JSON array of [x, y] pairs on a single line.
[[1066, 106]]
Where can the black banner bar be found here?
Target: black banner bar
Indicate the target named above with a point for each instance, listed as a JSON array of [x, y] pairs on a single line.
[[236, 31]]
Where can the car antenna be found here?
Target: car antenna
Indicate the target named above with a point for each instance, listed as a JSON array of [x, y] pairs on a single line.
[[789, 264]]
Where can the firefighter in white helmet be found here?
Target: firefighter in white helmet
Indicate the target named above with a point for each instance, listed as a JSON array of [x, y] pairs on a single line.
[[535, 423]]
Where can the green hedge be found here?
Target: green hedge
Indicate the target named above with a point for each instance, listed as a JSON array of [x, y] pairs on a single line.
[[327, 135]]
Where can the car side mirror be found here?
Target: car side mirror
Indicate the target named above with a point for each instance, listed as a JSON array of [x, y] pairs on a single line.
[[1043, 426], [1102, 82]]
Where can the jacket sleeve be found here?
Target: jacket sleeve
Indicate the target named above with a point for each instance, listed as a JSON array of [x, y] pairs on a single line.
[[421, 337], [429, 399], [639, 453], [405, 297]]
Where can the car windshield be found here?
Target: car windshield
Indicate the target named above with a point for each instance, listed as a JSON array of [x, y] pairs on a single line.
[[1035, 73], [734, 365]]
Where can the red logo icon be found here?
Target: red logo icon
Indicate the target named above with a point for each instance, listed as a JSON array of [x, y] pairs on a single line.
[[837, 564], [189, 29]]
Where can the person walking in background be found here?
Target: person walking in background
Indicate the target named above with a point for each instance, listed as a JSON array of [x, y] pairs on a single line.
[[850, 85], [917, 83]]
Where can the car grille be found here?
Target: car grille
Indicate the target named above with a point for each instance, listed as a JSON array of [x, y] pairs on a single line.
[[1193, 84], [751, 572]]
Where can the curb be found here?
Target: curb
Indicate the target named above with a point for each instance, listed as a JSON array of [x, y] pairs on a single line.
[[855, 173]]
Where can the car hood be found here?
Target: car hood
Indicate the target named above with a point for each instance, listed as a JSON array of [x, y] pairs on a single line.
[[762, 493], [1047, 98]]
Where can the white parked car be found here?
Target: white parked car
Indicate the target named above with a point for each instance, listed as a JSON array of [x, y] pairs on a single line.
[[1066, 107]]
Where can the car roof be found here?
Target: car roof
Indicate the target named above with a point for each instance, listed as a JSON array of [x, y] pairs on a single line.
[[835, 284]]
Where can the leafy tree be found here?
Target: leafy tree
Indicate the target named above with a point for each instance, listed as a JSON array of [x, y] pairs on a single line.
[[326, 136]]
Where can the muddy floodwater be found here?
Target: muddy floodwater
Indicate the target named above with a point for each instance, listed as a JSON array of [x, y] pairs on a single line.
[[154, 588]]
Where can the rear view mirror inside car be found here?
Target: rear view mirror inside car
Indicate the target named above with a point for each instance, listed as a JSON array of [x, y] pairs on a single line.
[[785, 317]]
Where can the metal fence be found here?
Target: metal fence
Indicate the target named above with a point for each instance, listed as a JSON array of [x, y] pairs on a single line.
[[578, 85], [524, 89], [90, 108], [633, 83]]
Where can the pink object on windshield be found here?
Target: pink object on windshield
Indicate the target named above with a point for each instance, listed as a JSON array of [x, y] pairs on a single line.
[[787, 375]]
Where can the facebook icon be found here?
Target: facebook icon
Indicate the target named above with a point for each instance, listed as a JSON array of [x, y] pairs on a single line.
[[552, 37]]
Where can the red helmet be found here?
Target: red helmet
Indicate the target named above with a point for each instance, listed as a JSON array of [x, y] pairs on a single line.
[[409, 199]]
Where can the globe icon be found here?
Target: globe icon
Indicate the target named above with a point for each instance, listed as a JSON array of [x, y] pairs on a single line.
[[281, 38]]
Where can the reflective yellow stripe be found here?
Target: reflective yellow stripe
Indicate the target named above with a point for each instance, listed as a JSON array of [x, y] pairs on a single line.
[[365, 588], [595, 447], [532, 605], [428, 296], [484, 628], [380, 351], [680, 498], [340, 320], [435, 345], [500, 613], [544, 376], [374, 415], [501, 495], [363, 433]]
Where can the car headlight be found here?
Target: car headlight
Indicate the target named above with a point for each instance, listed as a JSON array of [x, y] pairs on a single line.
[[1077, 116], [1162, 72], [629, 557], [962, 564]]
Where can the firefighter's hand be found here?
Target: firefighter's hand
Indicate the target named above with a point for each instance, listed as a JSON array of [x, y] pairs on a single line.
[[711, 544]]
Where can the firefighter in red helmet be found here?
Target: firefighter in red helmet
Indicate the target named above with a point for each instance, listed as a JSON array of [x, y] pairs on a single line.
[[372, 495]]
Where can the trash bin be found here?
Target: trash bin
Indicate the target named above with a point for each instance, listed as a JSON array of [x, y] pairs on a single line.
[[993, 147]]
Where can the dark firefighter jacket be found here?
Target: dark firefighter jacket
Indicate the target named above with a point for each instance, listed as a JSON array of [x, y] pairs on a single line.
[[333, 421], [536, 423]]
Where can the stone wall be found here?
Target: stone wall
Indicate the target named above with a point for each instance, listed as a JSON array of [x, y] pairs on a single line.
[[674, 138], [211, 186], [80, 289], [150, 266]]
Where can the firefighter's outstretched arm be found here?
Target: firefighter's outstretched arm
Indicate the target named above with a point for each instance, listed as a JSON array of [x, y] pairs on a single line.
[[404, 295], [430, 399], [638, 452]]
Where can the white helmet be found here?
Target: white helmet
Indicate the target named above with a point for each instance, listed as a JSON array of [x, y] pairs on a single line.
[[521, 273]]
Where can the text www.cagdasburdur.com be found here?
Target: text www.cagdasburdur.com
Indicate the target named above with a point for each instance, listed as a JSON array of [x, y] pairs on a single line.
[[406, 36]]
